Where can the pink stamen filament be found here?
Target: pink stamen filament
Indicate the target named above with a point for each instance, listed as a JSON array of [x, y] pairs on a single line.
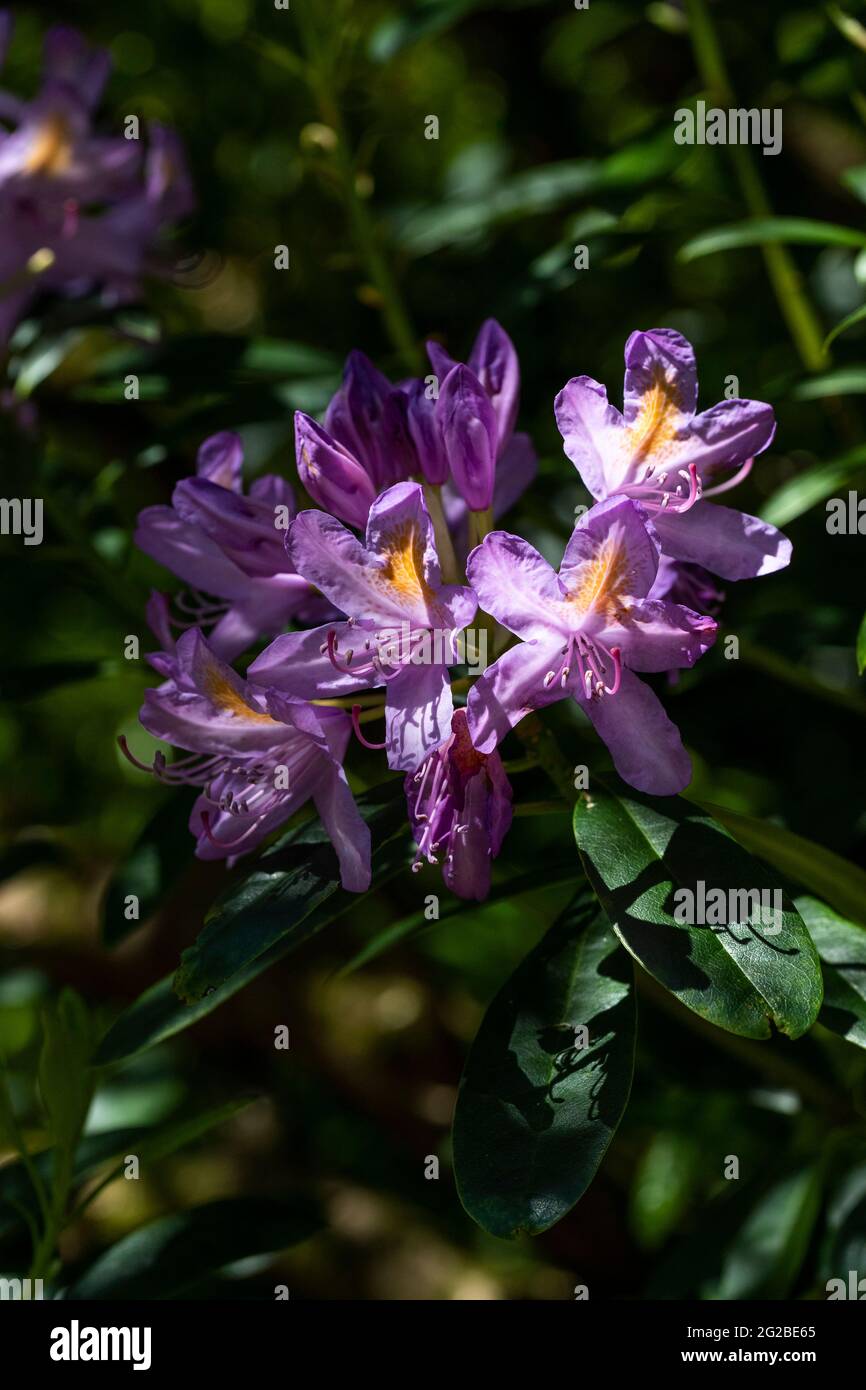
[[738, 477], [359, 734]]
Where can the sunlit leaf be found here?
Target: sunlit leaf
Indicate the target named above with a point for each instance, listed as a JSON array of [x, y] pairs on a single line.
[[813, 485], [767, 231], [641, 854], [842, 948]]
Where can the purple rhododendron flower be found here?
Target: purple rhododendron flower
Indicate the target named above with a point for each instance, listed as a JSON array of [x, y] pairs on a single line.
[[690, 585], [230, 546], [257, 756], [376, 434], [459, 805], [585, 632], [401, 626], [662, 454], [96, 204]]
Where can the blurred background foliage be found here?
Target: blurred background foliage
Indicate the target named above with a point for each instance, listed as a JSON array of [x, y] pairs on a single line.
[[307, 129]]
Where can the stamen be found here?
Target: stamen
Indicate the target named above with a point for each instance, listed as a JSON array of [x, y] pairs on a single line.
[[356, 725]]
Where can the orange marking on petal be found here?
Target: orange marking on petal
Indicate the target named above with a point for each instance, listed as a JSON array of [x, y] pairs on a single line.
[[658, 418], [603, 582], [51, 150], [404, 565], [227, 699]]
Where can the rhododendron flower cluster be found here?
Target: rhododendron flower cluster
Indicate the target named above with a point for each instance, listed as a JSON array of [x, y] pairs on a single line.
[[81, 211], [376, 589]]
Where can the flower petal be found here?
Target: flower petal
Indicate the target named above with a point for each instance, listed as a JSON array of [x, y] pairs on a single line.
[[188, 552], [612, 556], [659, 366], [646, 747], [220, 459], [470, 434], [494, 361], [592, 432], [727, 542], [348, 832], [516, 585], [656, 635], [296, 662], [510, 689], [417, 715]]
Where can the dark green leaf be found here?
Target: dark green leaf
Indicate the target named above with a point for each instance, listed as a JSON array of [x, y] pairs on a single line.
[[159, 1013], [277, 901], [842, 948], [861, 647], [161, 1259], [844, 1245], [642, 851], [153, 866], [535, 1114], [796, 496], [765, 1257]]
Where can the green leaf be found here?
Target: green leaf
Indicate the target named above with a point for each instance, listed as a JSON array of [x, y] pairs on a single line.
[[150, 870], [844, 1245], [161, 1259], [804, 231], [159, 1013], [861, 647], [795, 497], [845, 381], [842, 948], [837, 880], [535, 1114], [65, 1079], [277, 902], [92, 1151], [640, 852], [849, 321], [765, 1257]]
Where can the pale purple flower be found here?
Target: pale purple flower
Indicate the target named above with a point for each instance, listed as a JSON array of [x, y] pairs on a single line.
[[586, 631], [257, 757], [663, 454], [459, 805], [401, 628], [230, 549], [96, 204]]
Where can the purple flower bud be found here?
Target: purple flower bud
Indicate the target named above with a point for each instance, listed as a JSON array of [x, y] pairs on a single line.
[[358, 418], [494, 361], [426, 434], [469, 431], [332, 477], [220, 459]]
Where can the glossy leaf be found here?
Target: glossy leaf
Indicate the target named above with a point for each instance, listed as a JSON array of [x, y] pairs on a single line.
[[535, 1114], [640, 853], [161, 1259], [277, 902], [842, 948]]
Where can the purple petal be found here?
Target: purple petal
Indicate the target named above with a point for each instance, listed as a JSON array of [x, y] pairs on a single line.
[[510, 689], [517, 586], [296, 663], [426, 434], [494, 361], [67, 57], [591, 429], [726, 434], [655, 635], [612, 556], [469, 430], [330, 474], [417, 715], [188, 553], [208, 708], [646, 747], [515, 470], [441, 361], [366, 393], [347, 830], [221, 460], [660, 363], [242, 526], [727, 542]]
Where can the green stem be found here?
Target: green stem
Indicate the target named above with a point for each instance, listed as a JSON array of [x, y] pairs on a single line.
[[784, 670], [325, 90], [801, 318]]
